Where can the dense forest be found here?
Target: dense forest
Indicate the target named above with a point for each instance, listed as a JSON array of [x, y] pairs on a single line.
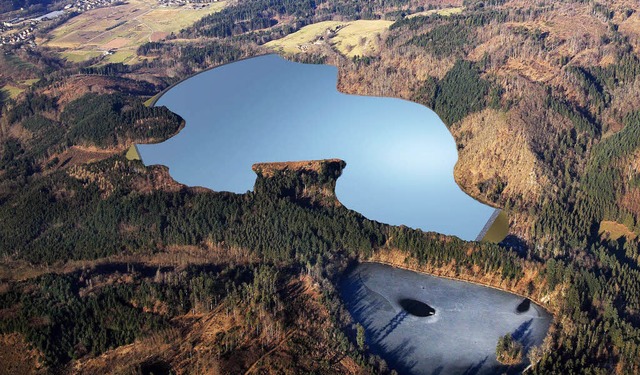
[[461, 92], [96, 120], [279, 229], [73, 319]]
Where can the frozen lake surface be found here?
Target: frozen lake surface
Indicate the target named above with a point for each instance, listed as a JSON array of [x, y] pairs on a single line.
[[399, 154], [456, 334]]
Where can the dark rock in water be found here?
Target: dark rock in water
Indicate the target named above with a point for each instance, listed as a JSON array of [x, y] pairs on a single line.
[[416, 308], [524, 306]]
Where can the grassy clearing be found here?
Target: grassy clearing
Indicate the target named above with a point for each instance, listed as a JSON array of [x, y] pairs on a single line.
[[499, 229], [122, 29], [13, 91], [122, 56], [355, 38], [614, 230], [79, 56], [441, 12], [292, 43], [149, 102], [359, 38], [133, 154], [29, 82]]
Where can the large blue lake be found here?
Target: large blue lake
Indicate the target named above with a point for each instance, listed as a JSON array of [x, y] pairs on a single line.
[[399, 154]]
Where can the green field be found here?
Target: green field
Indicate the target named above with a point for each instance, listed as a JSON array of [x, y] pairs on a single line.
[[79, 56], [149, 102], [29, 82], [13, 91], [354, 38], [122, 56], [441, 12]]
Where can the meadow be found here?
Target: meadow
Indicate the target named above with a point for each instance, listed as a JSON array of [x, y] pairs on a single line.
[[354, 38], [13, 90], [441, 12], [614, 230]]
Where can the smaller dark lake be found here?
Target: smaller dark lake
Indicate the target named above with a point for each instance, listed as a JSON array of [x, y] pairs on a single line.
[[428, 325]]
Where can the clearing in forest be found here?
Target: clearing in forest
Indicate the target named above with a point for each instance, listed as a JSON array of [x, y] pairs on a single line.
[[614, 230], [14, 90], [441, 12]]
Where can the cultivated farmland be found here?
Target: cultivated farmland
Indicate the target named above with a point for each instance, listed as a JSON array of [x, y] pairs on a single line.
[[117, 31]]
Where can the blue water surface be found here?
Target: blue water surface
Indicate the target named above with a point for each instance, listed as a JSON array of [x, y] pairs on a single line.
[[399, 154]]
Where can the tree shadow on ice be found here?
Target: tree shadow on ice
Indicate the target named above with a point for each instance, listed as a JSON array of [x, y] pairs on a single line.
[[366, 305], [399, 357], [385, 331], [362, 302], [476, 367], [522, 334]]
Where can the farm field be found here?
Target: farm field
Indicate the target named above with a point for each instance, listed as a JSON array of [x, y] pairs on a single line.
[[354, 38], [119, 30]]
